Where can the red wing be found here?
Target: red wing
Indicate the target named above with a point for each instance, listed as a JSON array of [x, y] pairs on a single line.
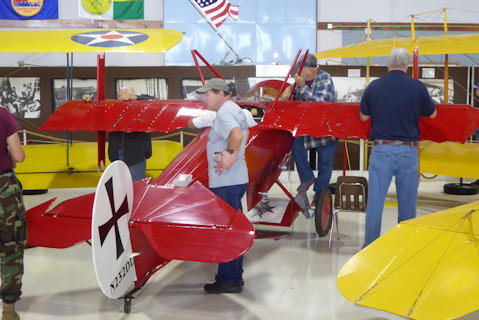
[[318, 119], [129, 116], [57, 228], [454, 122], [180, 223], [341, 119], [191, 224]]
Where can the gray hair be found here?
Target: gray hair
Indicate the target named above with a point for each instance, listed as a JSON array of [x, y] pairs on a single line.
[[129, 90], [398, 58]]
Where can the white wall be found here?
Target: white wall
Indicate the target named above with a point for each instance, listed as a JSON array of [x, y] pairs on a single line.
[[460, 11]]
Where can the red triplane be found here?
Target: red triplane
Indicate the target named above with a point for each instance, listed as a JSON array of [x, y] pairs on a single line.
[[191, 223]]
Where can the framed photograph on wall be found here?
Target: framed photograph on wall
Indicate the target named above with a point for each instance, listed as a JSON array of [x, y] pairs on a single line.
[[436, 90], [21, 96], [350, 89], [80, 87], [157, 88]]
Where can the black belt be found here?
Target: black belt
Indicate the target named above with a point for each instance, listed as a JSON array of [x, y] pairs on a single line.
[[10, 170], [395, 143]]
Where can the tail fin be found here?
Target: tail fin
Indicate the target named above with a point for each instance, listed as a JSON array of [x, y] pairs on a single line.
[[111, 244]]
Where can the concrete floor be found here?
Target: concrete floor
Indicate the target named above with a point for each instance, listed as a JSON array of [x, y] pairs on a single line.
[[291, 276]]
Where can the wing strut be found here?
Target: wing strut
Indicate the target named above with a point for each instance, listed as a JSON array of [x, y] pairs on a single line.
[[100, 101], [196, 53], [271, 106]]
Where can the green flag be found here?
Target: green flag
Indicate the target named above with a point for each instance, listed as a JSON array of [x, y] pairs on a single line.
[[128, 10]]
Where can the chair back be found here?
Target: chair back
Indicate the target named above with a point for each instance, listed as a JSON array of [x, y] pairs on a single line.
[[351, 193]]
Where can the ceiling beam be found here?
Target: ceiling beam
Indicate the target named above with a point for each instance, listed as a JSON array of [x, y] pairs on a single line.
[[83, 24], [397, 26]]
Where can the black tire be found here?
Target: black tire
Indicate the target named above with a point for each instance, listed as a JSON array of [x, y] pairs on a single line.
[[127, 305], [323, 215], [34, 192], [461, 188]]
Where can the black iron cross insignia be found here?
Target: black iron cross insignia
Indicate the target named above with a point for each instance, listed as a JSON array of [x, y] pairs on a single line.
[[113, 222]]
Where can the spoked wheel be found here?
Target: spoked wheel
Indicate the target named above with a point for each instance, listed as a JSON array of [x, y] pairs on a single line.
[[323, 212]]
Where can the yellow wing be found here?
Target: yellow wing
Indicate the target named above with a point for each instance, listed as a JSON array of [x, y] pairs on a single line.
[[99, 40], [424, 268], [455, 44], [449, 159]]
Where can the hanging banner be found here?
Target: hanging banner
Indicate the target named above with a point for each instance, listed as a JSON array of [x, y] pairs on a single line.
[[28, 9], [96, 9], [111, 10], [128, 10]]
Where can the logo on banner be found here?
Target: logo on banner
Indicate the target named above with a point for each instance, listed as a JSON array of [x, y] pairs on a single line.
[[27, 8], [110, 39], [97, 7]]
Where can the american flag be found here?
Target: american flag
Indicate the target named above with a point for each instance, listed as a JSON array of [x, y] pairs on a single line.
[[217, 10]]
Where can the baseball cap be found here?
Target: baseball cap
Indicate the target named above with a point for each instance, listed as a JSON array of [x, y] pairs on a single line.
[[476, 86], [310, 62], [216, 83]]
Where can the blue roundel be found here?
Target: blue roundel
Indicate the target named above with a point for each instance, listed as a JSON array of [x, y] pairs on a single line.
[[109, 39]]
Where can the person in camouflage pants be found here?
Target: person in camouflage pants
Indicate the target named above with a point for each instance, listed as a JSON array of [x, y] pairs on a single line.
[[13, 236]]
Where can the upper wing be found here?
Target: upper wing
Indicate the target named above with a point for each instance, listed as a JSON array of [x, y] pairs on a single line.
[[128, 40], [442, 44], [128, 116], [341, 120]]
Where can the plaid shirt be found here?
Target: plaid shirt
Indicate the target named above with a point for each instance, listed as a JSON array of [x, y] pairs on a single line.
[[321, 90]]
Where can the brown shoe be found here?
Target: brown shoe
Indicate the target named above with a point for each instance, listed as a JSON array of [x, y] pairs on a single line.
[[9, 312]]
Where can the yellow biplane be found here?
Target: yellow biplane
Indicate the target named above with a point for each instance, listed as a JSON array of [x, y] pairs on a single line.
[[448, 159], [425, 268], [46, 165]]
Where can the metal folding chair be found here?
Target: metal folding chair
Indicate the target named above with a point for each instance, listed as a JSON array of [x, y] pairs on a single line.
[[351, 195]]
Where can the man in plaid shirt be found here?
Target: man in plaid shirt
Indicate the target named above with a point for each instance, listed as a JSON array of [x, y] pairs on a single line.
[[313, 84]]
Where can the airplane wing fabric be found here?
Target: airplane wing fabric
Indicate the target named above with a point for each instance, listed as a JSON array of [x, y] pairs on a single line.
[[450, 159], [442, 44], [99, 40], [341, 119], [424, 268], [191, 224], [317, 119], [128, 116], [64, 226]]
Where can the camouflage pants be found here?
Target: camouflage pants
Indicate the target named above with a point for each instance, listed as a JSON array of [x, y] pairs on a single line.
[[13, 237]]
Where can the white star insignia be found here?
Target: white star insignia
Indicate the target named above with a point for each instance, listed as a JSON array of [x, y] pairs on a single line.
[[110, 36]]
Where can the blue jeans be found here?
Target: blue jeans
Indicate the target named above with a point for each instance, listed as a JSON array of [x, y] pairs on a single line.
[[386, 161], [231, 271], [138, 170], [325, 163]]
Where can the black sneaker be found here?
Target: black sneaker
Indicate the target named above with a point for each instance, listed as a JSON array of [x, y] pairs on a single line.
[[220, 287], [476, 182], [239, 282]]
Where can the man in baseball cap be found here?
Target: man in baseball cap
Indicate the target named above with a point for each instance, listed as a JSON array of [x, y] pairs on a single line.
[[215, 84], [227, 170]]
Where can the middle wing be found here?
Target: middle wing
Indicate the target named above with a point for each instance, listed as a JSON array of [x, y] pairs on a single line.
[[128, 116], [341, 119]]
